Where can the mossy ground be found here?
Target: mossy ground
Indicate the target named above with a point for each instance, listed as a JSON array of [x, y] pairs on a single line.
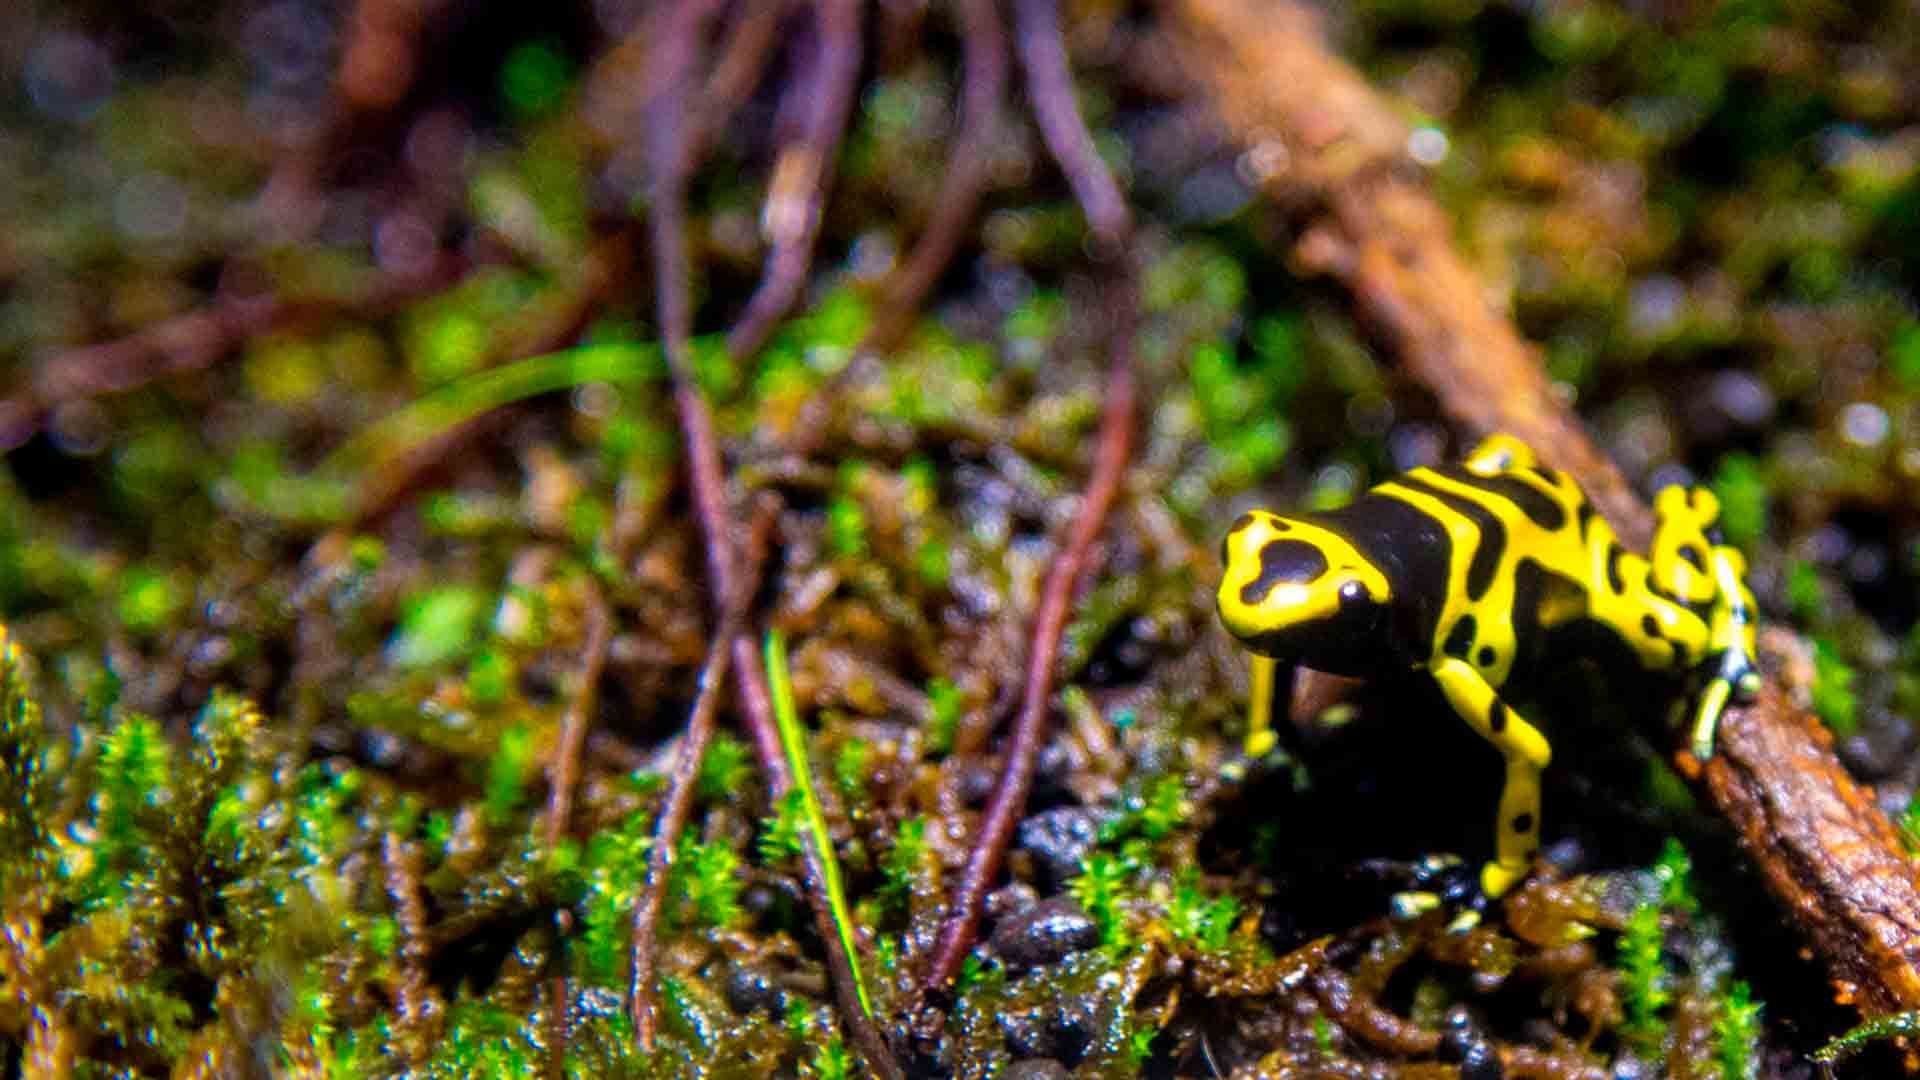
[[273, 736]]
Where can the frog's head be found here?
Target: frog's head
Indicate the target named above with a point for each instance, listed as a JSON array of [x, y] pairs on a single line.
[[1296, 590]]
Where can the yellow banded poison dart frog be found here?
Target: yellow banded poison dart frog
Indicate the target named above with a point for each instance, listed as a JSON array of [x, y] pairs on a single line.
[[1459, 572]]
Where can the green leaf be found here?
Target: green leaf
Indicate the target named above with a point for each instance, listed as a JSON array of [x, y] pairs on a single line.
[[793, 741]]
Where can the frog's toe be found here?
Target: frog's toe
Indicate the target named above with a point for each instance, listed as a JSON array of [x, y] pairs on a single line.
[[1260, 743], [1440, 882]]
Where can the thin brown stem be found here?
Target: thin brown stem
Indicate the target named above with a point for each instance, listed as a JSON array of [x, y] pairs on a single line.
[[564, 770], [671, 164], [743, 60], [678, 803], [803, 171], [1043, 60], [416, 1003], [984, 40], [1051, 86], [195, 340], [1030, 729]]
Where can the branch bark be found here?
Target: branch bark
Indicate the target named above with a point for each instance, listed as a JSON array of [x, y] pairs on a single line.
[[1333, 148]]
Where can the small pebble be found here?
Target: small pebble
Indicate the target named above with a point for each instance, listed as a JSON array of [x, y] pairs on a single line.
[[751, 990], [1058, 841], [1007, 902], [1061, 1029], [1045, 933]]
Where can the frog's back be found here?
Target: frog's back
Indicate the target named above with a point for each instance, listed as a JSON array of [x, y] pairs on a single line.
[[1521, 539]]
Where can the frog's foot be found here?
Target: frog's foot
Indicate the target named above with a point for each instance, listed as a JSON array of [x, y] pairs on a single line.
[[1736, 678], [1442, 882], [1260, 743]]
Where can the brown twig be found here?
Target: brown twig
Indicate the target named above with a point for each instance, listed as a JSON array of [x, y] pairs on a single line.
[[564, 770], [678, 802], [983, 40], [195, 340], [743, 59], [667, 226], [415, 1000], [1826, 850], [1319, 135], [803, 171], [1044, 59], [1359, 1014]]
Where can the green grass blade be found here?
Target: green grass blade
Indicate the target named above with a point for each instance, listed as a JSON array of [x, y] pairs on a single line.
[[461, 401], [793, 741]]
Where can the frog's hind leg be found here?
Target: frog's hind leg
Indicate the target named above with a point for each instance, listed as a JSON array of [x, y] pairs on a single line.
[[1517, 833], [1498, 453]]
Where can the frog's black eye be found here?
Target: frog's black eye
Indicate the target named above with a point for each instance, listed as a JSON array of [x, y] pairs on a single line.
[[1352, 592]]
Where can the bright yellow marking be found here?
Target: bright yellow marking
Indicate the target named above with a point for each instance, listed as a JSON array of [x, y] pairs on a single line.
[[1684, 515], [1498, 453], [1290, 604], [1260, 680], [1626, 611]]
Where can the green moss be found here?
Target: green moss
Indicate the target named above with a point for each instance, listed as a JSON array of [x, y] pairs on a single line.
[[1742, 491], [832, 1061], [724, 769], [1644, 982], [947, 704], [1736, 1033], [1903, 356], [439, 626], [1139, 1049], [1833, 696], [484, 1039], [1910, 826], [149, 600], [1674, 873], [1151, 811], [25, 784], [1100, 891], [905, 864], [535, 78], [508, 768], [780, 839], [1899, 1025], [706, 882], [1806, 593], [850, 767], [1198, 920], [614, 870]]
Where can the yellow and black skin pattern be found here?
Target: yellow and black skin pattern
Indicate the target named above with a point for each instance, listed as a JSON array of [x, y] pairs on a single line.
[[1460, 573]]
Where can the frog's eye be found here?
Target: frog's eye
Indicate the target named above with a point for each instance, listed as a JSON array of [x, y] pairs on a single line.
[[1352, 591]]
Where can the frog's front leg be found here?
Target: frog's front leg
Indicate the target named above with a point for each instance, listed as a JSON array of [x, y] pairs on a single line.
[[1260, 680], [1731, 638], [1517, 833]]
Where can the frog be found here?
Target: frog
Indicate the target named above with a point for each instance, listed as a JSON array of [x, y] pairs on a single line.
[[1458, 574]]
